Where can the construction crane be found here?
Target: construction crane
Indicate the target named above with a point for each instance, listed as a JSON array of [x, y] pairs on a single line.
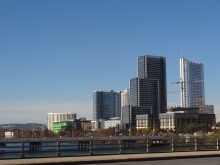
[[173, 91], [180, 82], [183, 88]]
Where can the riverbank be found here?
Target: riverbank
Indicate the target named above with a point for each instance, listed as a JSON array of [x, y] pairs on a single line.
[[110, 158]]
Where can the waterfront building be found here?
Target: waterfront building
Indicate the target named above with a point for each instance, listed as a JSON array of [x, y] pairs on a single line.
[[129, 113], [86, 125], [113, 122], [9, 134], [56, 117], [172, 121], [106, 104], [66, 125], [146, 121], [98, 124]]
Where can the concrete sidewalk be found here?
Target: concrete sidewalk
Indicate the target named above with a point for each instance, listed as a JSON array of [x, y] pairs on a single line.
[[109, 158]]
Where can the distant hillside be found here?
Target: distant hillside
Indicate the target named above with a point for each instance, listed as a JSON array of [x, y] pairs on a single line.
[[12, 126]]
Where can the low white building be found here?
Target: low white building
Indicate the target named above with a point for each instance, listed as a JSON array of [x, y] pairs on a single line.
[[9, 134], [113, 122], [142, 121], [56, 117], [217, 120], [98, 124]]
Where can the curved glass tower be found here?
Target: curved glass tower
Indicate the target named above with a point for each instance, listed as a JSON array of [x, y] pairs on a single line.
[[191, 83]]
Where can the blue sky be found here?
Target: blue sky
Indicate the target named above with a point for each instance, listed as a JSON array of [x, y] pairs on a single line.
[[54, 54]]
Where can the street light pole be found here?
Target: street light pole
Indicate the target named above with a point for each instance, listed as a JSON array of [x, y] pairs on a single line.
[[22, 132], [32, 130], [115, 131], [72, 128], [130, 121], [84, 130]]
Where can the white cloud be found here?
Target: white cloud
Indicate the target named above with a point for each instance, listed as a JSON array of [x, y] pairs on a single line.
[[36, 112]]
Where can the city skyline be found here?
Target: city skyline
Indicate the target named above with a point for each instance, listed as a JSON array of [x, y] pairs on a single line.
[[55, 54]]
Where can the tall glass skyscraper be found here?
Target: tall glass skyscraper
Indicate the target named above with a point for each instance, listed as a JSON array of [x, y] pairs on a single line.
[[148, 91], [106, 104], [149, 88], [191, 83]]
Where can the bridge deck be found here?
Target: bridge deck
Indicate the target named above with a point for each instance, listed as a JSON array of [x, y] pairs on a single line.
[[110, 158], [63, 139]]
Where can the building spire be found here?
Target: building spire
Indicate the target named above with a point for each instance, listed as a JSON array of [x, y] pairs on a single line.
[[181, 54]]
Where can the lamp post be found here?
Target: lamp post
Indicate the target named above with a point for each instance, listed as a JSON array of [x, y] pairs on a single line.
[[130, 121], [22, 132], [72, 128], [84, 130], [32, 130]]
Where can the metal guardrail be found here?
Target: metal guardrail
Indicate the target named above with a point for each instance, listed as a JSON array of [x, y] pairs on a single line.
[[56, 147]]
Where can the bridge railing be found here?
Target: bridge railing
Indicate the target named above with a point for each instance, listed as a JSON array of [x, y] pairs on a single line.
[[100, 147]]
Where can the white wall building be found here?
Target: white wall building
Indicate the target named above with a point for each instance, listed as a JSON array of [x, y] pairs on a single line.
[[9, 134], [98, 124], [125, 98], [217, 120], [113, 122], [55, 117], [142, 121]]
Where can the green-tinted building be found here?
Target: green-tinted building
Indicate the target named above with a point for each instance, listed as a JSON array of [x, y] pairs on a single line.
[[63, 125]]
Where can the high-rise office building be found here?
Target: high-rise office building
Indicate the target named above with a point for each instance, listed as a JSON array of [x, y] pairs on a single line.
[[106, 104], [192, 86], [191, 83], [148, 92], [149, 88]]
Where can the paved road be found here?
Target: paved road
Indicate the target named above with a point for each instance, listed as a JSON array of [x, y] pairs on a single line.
[[172, 158], [192, 161]]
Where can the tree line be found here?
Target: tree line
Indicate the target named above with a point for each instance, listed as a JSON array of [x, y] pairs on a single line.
[[190, 128]]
